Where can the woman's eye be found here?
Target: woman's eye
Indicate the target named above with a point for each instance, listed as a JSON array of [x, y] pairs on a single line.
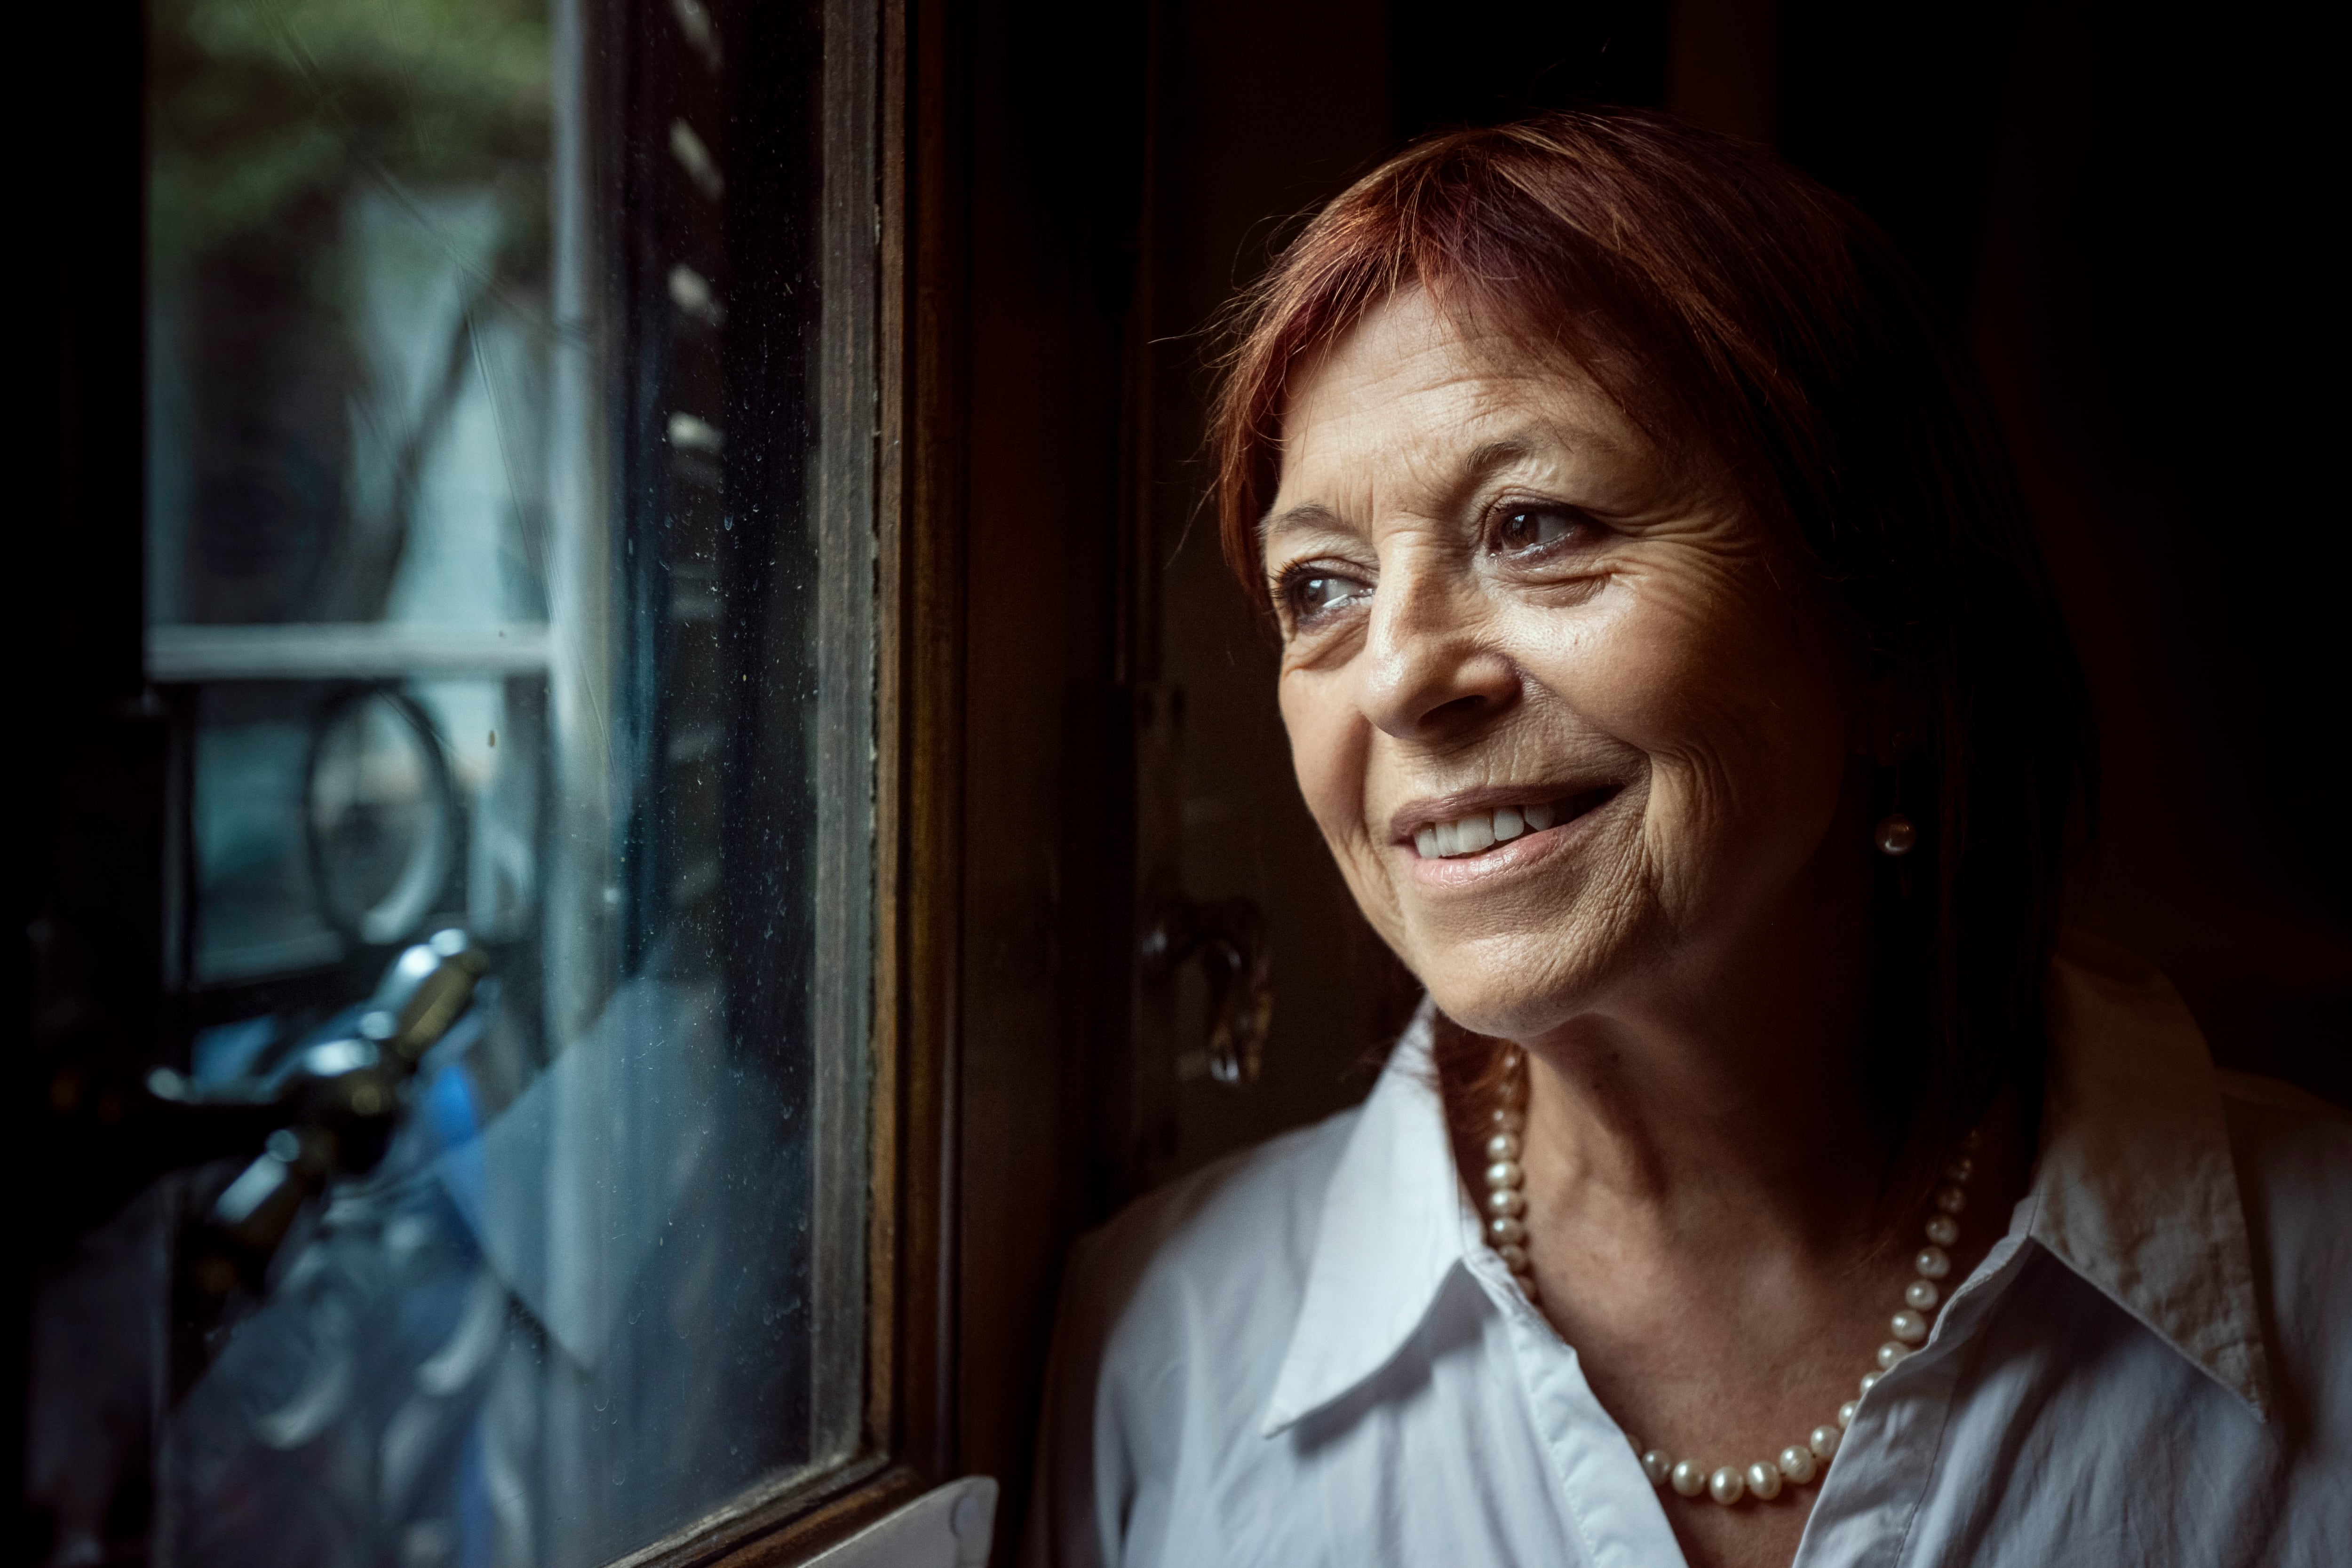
[[1311, 594], [1524, 528]]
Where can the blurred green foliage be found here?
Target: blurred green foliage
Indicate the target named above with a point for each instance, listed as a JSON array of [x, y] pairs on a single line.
[[265, 115]]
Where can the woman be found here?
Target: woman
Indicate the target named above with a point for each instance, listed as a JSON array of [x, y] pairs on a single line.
[[1666, 663]]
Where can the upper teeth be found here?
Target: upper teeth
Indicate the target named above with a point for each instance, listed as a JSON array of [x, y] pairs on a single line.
[[1480, 830]]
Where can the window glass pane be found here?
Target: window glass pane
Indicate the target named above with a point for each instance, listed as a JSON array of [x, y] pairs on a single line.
[[510, 571]]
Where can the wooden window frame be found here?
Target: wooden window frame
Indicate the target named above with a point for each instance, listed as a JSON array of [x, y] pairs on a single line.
[[908, 1442]]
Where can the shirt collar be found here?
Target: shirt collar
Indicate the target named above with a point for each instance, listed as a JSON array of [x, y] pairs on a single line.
[[1393, 1227], [2134, 1190]]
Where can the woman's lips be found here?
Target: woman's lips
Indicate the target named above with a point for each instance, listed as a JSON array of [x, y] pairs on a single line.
[[1478, 831], [1471, 846], [1457, 826]]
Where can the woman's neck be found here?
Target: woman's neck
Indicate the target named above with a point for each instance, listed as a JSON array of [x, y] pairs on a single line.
[[1721, 1092]]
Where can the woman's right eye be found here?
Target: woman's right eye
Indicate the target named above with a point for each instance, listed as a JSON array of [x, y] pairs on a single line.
[[1534, 529], [1313, 593]]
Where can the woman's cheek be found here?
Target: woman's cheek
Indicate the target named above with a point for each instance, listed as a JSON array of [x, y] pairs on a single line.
[[1330, 755], [1667, 665], [1746, 744], [1320, 756]]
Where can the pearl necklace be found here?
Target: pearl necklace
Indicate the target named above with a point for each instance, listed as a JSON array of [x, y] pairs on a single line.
[[1507, 1233]]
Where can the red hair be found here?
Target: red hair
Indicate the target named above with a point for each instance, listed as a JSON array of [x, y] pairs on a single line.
[[1723, 299]]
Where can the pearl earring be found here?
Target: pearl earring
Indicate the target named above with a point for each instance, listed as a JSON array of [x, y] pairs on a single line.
[[1897, 835]]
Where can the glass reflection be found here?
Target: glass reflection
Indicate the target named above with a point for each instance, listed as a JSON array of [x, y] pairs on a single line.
[[448, 651], [382, 816], [349, 253]]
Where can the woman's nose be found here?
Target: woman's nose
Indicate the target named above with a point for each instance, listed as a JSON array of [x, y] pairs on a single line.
[[1430, 672]]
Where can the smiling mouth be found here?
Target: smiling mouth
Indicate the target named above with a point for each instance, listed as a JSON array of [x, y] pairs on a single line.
[[1477, 832]]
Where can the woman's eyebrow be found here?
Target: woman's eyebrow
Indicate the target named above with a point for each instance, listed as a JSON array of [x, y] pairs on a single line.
[[1501, 453], [1306, 515], [1549, 440], [1479, 464]]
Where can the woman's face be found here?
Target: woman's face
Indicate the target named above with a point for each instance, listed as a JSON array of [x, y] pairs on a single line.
[[1564, 719]]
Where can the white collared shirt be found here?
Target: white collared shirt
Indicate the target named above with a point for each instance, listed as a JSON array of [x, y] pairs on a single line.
[[1306, 1356]]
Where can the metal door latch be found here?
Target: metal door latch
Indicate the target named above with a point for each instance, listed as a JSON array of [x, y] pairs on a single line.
[[1228, 937]]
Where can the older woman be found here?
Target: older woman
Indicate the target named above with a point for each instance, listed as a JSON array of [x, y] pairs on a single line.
[[1667, 664]]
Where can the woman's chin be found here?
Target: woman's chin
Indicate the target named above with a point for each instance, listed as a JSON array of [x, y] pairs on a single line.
[[1513, 989]]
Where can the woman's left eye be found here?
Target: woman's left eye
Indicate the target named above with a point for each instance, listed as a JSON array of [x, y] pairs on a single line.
[[1519, 529], [1312, 593]]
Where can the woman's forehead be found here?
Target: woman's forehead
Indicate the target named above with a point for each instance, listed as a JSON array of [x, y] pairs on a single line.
[[1410, 365], [1407, 399], [1411, 346]]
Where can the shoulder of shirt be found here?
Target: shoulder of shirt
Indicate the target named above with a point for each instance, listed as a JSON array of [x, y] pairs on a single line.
[[2291, 1150], [2275, 1094], [1174, 1317], [1253, 1210], [1217, 1257]]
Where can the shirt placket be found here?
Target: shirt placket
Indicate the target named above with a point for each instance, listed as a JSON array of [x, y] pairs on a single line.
[[1883, 1469], [1608, 1503]]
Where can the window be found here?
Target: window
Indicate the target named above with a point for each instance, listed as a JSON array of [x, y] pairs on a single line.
[[511, 557]]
